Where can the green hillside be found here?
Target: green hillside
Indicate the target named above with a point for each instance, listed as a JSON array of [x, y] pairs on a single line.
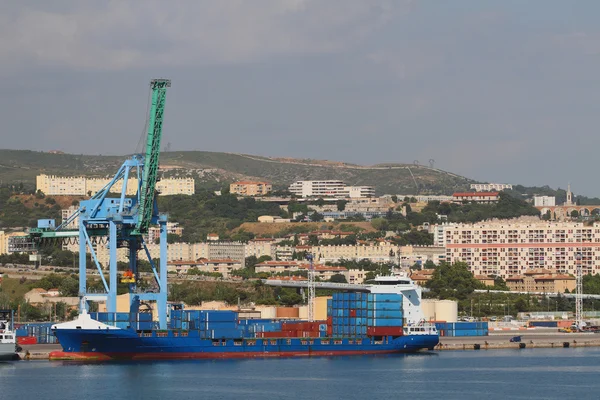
[[212, 169]]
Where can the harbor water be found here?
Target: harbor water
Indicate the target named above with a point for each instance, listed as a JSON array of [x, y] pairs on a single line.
[[498, 374]]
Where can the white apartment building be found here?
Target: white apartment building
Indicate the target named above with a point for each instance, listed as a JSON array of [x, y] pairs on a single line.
[[332, 188], [490, 187], [356, 192], [544, 201], [424, 198], [438, 234], [53, 185], [507, 248]]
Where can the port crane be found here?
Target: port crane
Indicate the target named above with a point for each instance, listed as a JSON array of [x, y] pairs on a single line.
[[119, 221]]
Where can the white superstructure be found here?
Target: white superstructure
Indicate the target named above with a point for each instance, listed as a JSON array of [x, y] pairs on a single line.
[[8, 338]]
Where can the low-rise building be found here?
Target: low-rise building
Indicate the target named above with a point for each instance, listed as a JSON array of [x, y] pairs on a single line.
[[38, 296], [486, 280], [250, 188], [542, 281], [476, 197], [421, 277]]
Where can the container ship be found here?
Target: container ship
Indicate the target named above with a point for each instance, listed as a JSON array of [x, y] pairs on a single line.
[[382, 317]]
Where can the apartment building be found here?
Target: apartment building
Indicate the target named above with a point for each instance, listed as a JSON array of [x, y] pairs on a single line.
[[323, 272], [250, 188], [227, 250], [377, 251], [260, 247], [424, 198], [53, 185], [357, 192], [544, 201], [357, 276], [4, 238], [490, 187], [508, 248], [411, 255], [331, 188], [223, 267], [173, 228]]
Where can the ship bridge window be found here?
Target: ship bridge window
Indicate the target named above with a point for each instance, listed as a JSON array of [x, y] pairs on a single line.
[[1, 337], [237, 342]]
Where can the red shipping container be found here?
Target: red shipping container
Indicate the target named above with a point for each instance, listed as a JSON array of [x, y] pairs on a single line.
[[329, 330], [26, 340], [385, 331], [286, 334], [329, 320], [352, 313]]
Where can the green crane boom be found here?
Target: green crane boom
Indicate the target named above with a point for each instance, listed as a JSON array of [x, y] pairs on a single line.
[[154, 136]]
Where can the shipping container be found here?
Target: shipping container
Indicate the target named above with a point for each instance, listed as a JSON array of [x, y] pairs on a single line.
[[543, 324], [385, 331]]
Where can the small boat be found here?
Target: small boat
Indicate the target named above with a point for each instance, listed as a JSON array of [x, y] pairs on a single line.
[[8, 338]]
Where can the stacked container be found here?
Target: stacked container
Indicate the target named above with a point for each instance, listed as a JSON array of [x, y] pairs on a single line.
[[365, 314], [460, 329], [35, 333]]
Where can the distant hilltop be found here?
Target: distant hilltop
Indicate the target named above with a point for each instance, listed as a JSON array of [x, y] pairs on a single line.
[[214, 169]]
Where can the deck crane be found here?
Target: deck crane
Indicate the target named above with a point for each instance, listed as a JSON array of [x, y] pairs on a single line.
[[120, 221]]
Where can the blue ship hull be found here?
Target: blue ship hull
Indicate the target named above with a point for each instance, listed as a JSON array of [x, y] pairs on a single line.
[[126, 344]]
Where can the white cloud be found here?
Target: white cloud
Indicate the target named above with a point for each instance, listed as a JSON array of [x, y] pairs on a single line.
[[122, 34]]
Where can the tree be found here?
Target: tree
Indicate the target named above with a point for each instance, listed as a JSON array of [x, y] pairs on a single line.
[[574, 214], [381, 224], [453, 281], [316, 217], [415, 267], [341, 205], [394, 198], [338, 278]]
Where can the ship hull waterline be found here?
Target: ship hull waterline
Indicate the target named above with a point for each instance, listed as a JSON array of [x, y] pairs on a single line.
[[83, 345]]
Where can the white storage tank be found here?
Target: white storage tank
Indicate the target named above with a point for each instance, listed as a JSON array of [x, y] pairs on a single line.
[[446, 310], [428, 308]]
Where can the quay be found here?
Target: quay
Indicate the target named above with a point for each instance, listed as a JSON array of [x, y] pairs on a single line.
[[530, 339]]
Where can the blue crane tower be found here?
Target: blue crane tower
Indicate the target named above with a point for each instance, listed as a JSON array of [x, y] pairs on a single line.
[[121, 221]]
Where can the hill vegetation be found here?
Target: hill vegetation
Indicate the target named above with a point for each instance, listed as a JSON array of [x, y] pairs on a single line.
[[212, 169]]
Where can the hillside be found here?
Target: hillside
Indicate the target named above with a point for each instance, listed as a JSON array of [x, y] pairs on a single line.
[[212, 169]]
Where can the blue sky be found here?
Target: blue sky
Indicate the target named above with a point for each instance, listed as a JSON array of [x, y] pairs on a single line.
[[504, 91]]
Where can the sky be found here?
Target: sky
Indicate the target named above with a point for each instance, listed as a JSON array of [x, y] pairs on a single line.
[[496, 90]]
